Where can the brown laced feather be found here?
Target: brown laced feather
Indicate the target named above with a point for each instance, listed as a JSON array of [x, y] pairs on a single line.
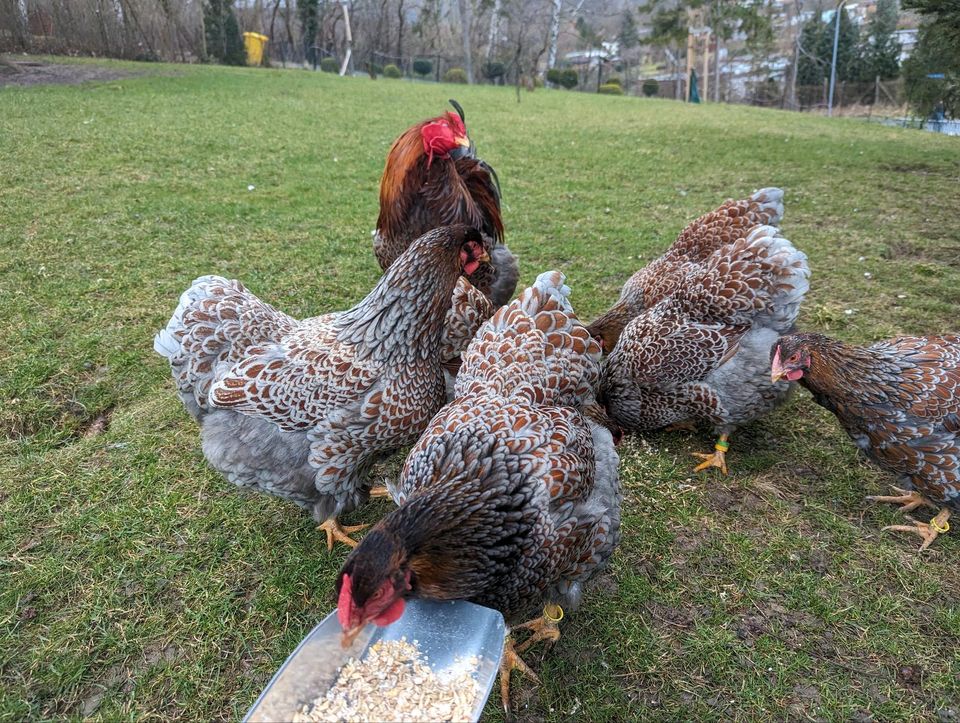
[[731, 221]]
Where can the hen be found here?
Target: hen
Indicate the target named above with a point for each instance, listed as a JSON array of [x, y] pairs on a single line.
[[701, 353], [662, 276], [302, 409], [899, 400], [511, 497], [432, 178]]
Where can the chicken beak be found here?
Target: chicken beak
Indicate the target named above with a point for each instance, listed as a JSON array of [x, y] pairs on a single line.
[[463, 141], [484, 258], [777, 373], [348, 636]]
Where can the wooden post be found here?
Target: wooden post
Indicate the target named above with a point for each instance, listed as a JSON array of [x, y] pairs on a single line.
[[690, 58]]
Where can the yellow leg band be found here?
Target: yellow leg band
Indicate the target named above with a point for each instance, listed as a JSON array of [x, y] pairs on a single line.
[[936, 527], [553, 618]]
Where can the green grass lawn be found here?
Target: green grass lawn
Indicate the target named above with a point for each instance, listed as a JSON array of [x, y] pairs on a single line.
[[136, 583]]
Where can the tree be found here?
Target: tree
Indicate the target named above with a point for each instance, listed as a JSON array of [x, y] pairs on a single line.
[[465, 23], [588, 35], [309, 24], [937, 52], [848, 48], [223, 33], [881, 50], [810, 67], [816, 41], [628, 38]]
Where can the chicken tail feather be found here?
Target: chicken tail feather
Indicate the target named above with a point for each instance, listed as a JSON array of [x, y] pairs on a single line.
[[534, 348], [215, 322]]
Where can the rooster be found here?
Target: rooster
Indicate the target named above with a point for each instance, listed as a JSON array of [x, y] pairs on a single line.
[[730, 222], [899, 400], [432, 178], [302, 409], [511, 497], [701, 353]]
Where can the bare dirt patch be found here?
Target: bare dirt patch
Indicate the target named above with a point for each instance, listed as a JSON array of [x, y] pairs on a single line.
[[38, 72]]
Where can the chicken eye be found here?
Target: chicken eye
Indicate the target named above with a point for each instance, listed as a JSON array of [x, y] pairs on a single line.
[[795, 358]]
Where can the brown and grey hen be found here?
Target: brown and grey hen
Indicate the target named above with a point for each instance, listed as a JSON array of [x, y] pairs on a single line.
[[701, 353], [511, 497], [302, 409], [899, 400]]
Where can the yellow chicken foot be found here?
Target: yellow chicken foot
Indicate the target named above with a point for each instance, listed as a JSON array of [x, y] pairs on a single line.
[[717, 459], [909, 499], [543, 628], [381, 491], [336, 532], [929, 531], [511, 661]]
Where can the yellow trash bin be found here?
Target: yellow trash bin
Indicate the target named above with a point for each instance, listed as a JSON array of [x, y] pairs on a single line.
[[254, 43]]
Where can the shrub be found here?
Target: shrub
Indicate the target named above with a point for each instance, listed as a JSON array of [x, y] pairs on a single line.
[[455, 75], [494, 70], [651, 87], [422, 67], [330, 65], [373, 69], [610, 89], [569, 78], [391, 71], [613, 80], [537, 82], [553, 75]]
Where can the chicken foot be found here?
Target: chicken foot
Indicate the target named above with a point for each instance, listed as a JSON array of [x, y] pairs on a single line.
[[909, 499], [336, 532], [543, 628], [512, 661], [717, 458], [380, 491], [929, 531]]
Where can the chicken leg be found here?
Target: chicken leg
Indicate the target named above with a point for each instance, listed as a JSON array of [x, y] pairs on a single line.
[[909, 499], [929, 531], [717, 459], [380, 491], [336, 532], [543, 628]]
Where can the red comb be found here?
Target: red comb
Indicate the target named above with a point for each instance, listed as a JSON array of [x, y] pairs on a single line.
[[456, 123]]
